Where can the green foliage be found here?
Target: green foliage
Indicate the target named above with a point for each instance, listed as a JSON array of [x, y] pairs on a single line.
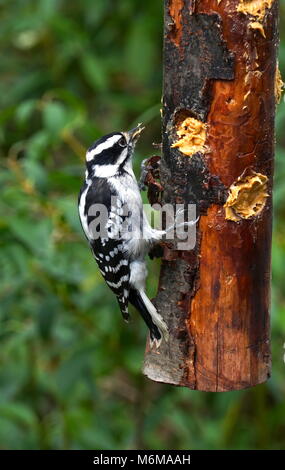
[[69, 368]]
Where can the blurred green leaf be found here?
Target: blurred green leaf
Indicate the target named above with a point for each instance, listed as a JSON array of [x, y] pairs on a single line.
[[25, 110], [93, 70], [55, 117]]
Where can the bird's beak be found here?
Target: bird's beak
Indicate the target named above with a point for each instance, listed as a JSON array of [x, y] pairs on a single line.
[[133, 134]]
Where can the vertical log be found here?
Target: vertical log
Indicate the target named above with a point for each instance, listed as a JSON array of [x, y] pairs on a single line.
[[218, 148]]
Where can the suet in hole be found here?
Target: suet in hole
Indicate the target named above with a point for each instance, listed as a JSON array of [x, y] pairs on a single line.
[[247, 197], [191, 134]]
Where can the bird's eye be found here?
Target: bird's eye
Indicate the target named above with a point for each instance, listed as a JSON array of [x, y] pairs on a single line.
[[122, 142]]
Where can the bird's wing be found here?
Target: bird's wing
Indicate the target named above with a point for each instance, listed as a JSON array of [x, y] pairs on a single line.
[[115, 268], [108, 250]]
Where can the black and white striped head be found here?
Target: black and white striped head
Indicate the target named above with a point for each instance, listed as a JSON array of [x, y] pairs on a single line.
[[112, 153]]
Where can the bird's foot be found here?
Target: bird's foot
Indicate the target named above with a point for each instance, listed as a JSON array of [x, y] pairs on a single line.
[[149, 178]]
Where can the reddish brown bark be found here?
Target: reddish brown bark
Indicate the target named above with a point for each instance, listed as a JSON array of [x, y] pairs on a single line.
[[219, 68]]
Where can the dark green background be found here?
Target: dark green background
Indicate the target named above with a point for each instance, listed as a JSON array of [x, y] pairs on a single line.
[[70, 369]]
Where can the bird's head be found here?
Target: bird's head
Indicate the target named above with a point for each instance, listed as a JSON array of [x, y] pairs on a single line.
[[112, 153]]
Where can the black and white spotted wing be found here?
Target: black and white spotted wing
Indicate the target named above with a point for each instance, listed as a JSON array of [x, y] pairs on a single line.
[[115, 269], [108, 250]]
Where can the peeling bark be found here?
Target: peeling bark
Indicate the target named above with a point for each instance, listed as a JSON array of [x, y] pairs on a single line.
[[220, 70], [279, 85]]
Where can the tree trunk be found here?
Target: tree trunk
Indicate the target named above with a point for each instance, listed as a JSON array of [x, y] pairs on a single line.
[[220, 72]]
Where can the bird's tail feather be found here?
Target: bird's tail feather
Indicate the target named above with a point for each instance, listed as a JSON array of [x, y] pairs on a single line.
[[157, 327]]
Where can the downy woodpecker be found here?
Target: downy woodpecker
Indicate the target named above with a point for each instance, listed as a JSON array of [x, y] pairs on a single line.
[[125, 235]]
